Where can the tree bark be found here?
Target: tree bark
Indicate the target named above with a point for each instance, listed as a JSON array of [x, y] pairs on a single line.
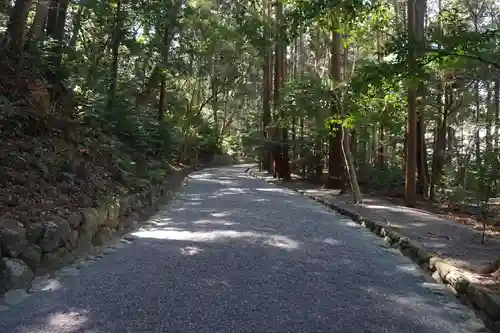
[[42, 10], [411, 154], [114, 65], [16, 26], [266, 91], [336, 166]]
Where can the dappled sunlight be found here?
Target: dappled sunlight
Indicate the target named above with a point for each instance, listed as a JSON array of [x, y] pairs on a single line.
[[349, 223], [214, 222], [46, 284], [226, 191], [70, 320], [282, 242], [275, 189], [191, 250], [67, 321], [399, 209], [410, 269], [192, 203], [272, 240], [194, 197], [212, 178], [215, 283], [202, 175], [331, 241], [160, 220], [221, 214]]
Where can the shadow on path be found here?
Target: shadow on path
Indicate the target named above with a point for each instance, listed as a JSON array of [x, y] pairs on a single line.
[[237, 255]]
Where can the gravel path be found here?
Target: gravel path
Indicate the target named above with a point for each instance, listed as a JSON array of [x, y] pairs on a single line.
[[234, 254]]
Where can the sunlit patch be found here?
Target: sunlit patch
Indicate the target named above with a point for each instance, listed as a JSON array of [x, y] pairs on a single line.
[[277, 190], [192, 203], [282, 243], [278, 241], [349, 223], [47, 285], [214, 222], [221, 214], [190, 250], [411, 269], [214, 282], [68, 322], [202, 175], [332, 241]]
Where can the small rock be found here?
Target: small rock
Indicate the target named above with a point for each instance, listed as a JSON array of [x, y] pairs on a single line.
[[15, 296], [57, 259], [474, 325], [16, 274], [436, 277], [34, 232], [31, 255], [12, 237], [44, 283], [485, 299], [56, 233], [443, 268], [457, 281]]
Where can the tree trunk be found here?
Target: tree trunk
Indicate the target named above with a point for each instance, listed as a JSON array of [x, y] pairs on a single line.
[[77, 25], [16, 26], [421, 153], [155, 78], [411, 153], [438, 158], [497, 111], [489, 119], [422, 167], [380, 150], [477, 140], [336, 167], [56, 21], [266, 92], [351, 170], [279, 85], [114, 65], [42, 10]]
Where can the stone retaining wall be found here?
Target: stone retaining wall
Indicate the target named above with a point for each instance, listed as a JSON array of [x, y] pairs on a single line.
[[463, 284], [39, 248]]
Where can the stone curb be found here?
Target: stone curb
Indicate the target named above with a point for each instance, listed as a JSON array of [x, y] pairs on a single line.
[[97, 228], [476, 296]]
